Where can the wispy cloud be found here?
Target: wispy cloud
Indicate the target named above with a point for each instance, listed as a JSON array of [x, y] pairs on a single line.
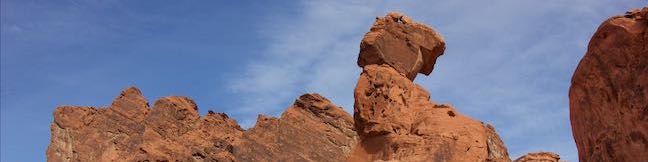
[[508, 63], [314, 51]]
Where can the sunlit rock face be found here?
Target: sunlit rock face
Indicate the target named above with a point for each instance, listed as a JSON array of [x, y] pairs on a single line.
[[405, 45], [394, 119], [312, 129], [394, 116], [608, 98]]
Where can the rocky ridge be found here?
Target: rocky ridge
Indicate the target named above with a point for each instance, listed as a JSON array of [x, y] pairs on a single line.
[[394, 119], [312, 129]]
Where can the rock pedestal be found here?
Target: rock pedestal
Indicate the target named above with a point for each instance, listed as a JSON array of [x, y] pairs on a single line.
[[405, 45], [394, 116]]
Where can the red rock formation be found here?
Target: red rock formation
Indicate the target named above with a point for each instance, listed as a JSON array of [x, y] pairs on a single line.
[[539, 157], [609, 92], [313, 129], [405, 45], [396, 121], [394, 116], [393, 120]]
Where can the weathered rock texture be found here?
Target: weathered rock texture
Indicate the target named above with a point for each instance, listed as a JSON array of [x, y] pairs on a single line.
[[312, 129], [609, 92], [394, 116], [401, 43], [396, 121], [539, 157]]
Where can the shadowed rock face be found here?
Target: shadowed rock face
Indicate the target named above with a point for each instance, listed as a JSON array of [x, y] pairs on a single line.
[[608, 97], [313, 129]]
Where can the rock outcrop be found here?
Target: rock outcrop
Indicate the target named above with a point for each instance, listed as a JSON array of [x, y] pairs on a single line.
[[539, 157], [405, 45], [394, 119], [608, 97], [312, 129], [394, 116]]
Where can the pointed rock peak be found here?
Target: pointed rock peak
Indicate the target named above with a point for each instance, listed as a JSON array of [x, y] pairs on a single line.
[[319, 106], [222, 119], [179, 106], [312, 100], [130, 95], [130, 103], [405, 45], [264, 121], [131, 91]]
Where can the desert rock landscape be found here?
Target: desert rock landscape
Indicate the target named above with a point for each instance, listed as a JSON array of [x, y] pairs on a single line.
[[394, 119]]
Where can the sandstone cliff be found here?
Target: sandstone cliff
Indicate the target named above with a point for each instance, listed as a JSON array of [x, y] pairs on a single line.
[[312, 129], [608, 97]]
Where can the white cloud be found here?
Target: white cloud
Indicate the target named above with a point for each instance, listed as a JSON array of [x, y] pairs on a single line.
[[312, 52], [507, 62]]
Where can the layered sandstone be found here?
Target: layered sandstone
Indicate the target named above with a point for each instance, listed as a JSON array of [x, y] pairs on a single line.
[[608, 97], [312, 129]]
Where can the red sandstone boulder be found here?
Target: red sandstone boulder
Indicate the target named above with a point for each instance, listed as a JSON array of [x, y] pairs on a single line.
[[401, 43], [608, 97]]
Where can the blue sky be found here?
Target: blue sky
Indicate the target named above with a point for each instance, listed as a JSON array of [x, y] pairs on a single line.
[[507, 62]]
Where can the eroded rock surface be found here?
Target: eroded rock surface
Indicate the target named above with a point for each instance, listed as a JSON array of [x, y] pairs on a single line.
[[539, 157], [396, 121], [405, 45], [609, 92], [312, 129]]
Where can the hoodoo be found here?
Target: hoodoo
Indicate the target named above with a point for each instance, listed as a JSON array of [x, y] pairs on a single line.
[[394, 116]]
